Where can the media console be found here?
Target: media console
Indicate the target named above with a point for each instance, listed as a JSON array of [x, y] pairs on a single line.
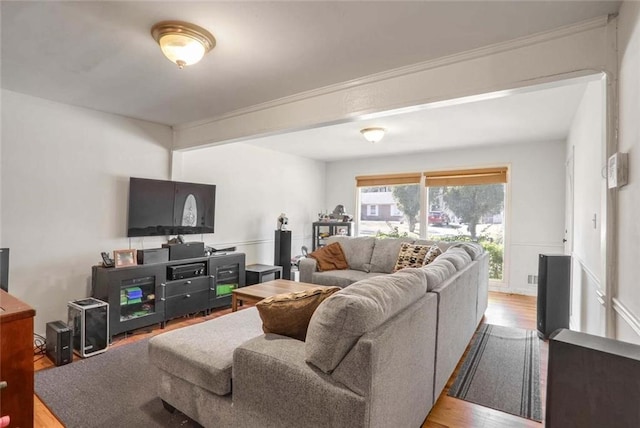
[[143, 295]]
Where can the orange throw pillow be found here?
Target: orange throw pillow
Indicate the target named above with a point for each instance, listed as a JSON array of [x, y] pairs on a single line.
[[330, 257], [289, 314]]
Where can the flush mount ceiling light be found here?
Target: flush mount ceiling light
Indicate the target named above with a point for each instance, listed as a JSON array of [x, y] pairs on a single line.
[[372, 135], [183, 43]]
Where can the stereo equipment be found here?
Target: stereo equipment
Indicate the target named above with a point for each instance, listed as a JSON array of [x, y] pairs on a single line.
[[58, 343], [153, 255], [89, 323], [283, 252], [191, 270], [554, 283], [187, 250], [592, 382]]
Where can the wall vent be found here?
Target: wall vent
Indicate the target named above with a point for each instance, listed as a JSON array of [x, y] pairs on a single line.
[[532, 279]]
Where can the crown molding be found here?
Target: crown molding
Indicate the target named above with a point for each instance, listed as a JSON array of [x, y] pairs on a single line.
[[514, 44]]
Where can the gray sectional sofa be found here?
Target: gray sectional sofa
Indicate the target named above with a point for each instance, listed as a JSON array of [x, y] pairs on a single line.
[[377, 354], [367, 257]]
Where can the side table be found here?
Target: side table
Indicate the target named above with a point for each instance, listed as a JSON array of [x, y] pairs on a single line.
[[258, 273]]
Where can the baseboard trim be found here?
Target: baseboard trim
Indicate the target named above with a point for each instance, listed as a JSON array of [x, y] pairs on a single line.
[[522, 291]]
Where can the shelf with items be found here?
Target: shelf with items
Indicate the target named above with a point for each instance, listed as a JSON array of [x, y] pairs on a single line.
[[229, 272], [325, 229], [132, 293]]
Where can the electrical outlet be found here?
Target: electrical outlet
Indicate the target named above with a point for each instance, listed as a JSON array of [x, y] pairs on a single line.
[[532, 279]]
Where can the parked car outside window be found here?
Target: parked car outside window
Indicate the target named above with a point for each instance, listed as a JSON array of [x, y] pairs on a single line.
[[439, 218]]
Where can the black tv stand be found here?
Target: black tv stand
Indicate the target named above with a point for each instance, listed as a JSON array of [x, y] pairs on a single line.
[[143, 295]]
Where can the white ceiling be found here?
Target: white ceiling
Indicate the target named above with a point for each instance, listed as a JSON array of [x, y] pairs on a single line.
[[100, 54]]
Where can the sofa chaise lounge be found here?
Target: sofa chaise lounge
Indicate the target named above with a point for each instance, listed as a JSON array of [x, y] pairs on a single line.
[[377, 353]]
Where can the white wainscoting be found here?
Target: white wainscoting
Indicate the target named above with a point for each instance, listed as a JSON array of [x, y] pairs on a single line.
[[588, 300], [627, 323]]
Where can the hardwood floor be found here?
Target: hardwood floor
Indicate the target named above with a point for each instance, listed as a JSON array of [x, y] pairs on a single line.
[[511, 310], [504, 309]]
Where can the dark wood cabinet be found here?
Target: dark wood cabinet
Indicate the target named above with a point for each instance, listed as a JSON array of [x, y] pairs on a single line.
[[228, 272], [143, 295], [116, 286], [185, 296], [16, 360]]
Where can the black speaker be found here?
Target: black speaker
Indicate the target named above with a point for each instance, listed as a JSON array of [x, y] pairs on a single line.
[[187, 250], [58, 343], [283, 252], [152, 255], [89, 322], [554, 283], [4, 269]]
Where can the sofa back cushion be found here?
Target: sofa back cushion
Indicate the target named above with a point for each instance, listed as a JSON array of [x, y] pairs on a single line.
[[343, 318], [459, 257], [356, 250], [441, 261], [474, 249], [436, 273], [385, 253]]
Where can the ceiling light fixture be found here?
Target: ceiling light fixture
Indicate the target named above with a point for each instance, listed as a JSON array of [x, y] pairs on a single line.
[[183, 43], [373, 135]]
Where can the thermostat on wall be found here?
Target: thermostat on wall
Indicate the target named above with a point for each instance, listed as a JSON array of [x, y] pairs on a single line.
[[617, 170]]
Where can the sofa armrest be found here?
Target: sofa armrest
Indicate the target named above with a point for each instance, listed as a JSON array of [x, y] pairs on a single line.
[[307, 267], [273, 386]]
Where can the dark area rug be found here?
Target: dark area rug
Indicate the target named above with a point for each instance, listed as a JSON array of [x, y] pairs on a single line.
[[502, 371], [112, 389]]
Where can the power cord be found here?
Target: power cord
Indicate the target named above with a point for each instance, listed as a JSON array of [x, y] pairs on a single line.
[[39, 346]]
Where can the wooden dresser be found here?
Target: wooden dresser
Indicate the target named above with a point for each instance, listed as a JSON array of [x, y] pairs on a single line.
[[16, 360]]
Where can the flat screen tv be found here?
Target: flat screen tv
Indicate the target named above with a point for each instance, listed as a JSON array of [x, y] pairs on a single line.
[[160, 207]]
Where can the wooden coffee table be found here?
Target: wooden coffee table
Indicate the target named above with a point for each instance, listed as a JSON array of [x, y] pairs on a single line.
[[255, 293]]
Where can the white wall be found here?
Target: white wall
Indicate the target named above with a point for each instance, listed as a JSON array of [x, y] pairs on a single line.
[[255, 185], [587, 141], [536, 195], [65, 173], [627, 298]]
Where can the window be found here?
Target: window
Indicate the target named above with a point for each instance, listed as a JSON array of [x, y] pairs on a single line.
[[453, 205], [469, 205], [396, 199], [395, 211]]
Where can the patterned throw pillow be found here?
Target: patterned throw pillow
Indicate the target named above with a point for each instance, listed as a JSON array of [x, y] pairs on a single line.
[[433, 252], [289, 314], [411, 255]]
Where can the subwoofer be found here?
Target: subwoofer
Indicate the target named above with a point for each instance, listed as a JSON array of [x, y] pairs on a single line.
[[554, 283], [283, 252]]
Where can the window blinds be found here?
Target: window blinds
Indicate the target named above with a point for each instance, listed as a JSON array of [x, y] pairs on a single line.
[[466, 177]]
